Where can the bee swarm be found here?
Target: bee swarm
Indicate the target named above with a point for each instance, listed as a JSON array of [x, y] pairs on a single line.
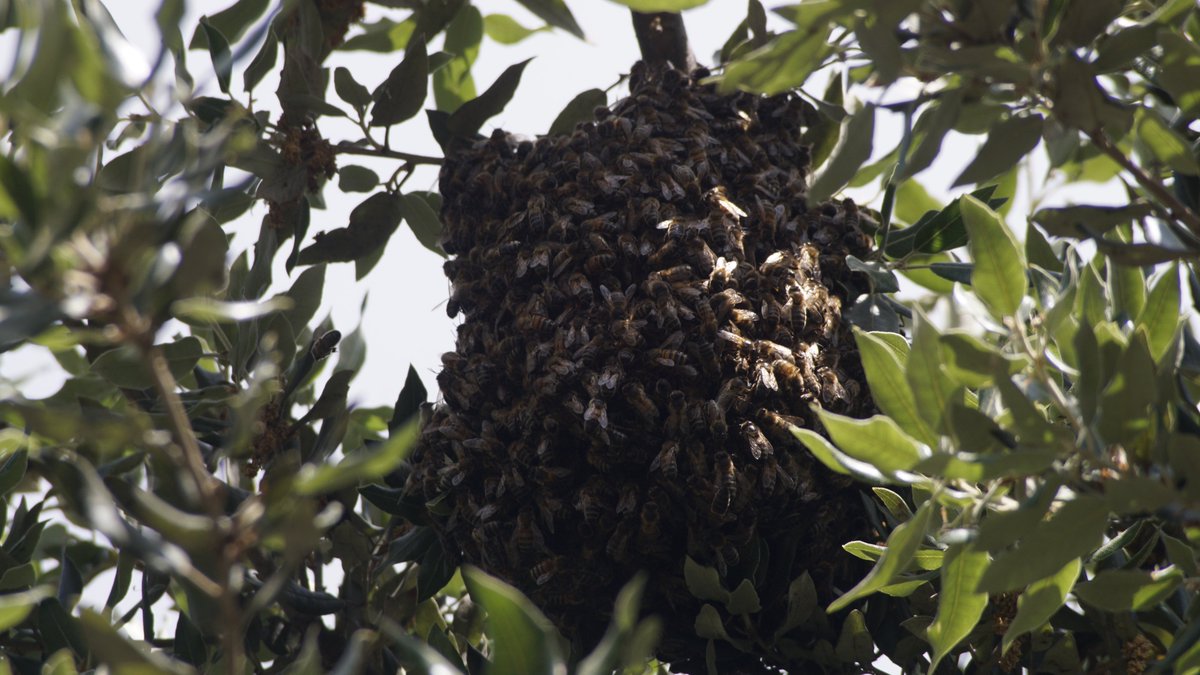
[[649, 305]]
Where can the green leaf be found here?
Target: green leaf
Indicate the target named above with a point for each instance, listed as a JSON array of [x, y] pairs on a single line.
[[937, 232], [1129, 590], [801, 602], [263, 62], [453, 84], [353, 178], [743, 600], [525, 641], [923, 372], [12, 471], [423, 219], [973, 362], [852, 151], [126, 368], [199, 310], [1073, 531], [959, 604], [402, 94], [122, 654], [703, 582], [660, 5], [984, 467], [999, 275], [467, 120], [889, 388], [854, 643], [218, 50], [781, 65], [371, 226], [364, 466], [349, 90], [1083, 20], [894, 503], [1166, 144], [504, 29], [902, 545], [1040, 601], [925, 559], [1131, 390], [555, 13], [931, 127], [232, 22], [1160, 315], [16, 607], [580, 109], [878, 440], [708, 624], [913, 202], [836, 460], [1179, 70], [1006, 144]]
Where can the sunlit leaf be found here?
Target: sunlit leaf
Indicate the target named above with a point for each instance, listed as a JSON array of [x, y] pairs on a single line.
[[852, 151], [1129, 590], [999, 275], [525, 640], [959, 604], [902, 545], [1040, 601]]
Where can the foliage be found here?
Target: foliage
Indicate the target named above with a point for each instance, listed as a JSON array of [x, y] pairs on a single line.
[[1035, 460]]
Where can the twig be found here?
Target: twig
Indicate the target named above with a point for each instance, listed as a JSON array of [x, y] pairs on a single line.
[[344, 149], [1175, 208]]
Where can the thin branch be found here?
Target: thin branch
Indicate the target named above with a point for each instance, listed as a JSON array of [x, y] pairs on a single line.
[[346, 149], [1175, 208], [663, 39]]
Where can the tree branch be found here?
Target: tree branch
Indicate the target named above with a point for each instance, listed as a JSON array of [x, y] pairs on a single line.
[[1175, 208], [345, 148], [663, 40]]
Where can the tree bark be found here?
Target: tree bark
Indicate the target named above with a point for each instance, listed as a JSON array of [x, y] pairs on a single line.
[[662, 38]]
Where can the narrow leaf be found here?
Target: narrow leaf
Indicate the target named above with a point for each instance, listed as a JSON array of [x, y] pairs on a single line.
[[999, 275], [959, 604]]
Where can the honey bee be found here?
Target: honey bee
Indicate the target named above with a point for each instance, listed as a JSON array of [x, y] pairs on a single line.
[[615, 301], [535, 212], [579, 207], [590, 500], [628, 245], [717, 199], [642, 405], [667, 460], [726, 480], [698, 158], [728, 300], [770, 313], [732, 395], [534, 323], [668, 357], [610, 378], [651, 212], [599, 263], [722, 275], [756, 442], [325, 345], [545, 570], [700, 256], [675, 274], [580, 287], [676, 402], [670, 189], [664, 253], [617, 547], [596, 413], [765, 376], [809, 262], [650, 522], [831, 387]]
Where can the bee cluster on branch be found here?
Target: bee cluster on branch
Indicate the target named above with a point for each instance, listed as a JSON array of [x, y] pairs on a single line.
[[649, 306]]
